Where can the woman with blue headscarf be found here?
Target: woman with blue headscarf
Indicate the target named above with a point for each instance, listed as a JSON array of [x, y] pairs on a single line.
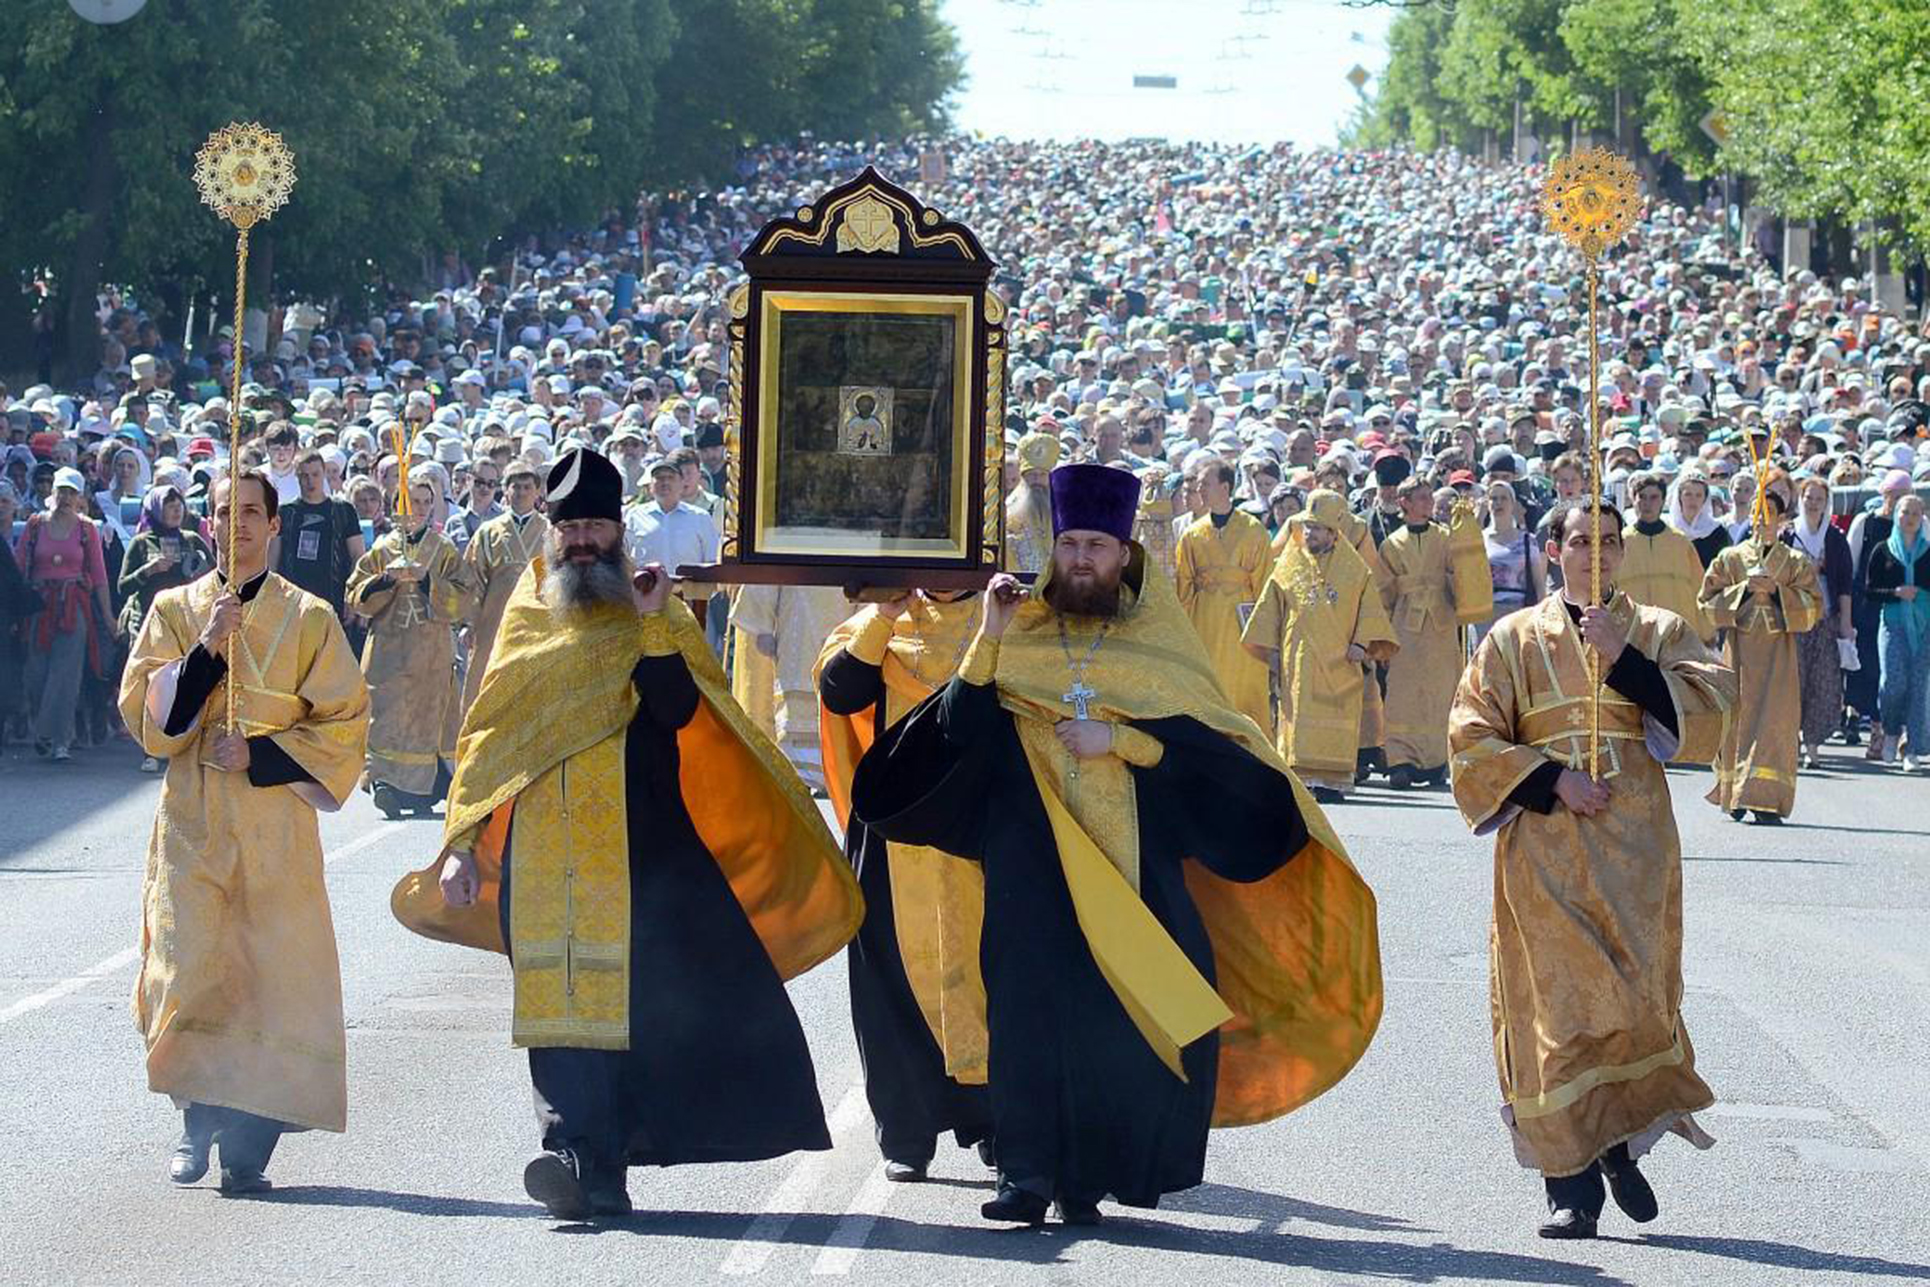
[[1900, 583]]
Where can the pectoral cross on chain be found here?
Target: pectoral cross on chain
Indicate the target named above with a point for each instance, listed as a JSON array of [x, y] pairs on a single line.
[[1078, 697]]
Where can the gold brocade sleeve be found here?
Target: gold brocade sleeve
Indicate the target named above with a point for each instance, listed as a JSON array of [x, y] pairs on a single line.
[[658, 639], [872, 641], [1136, 746], [164, 638], [1799, 590], [1704, 690], [1268, 621], [362, 596], [1725, 588], [331, 740], [1487, 762], [981, 661]]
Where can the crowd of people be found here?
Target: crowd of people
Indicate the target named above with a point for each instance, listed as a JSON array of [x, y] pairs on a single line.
[[1243, 329], [1304, 435]]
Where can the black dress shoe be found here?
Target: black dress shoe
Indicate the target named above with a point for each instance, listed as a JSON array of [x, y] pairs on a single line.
[[1328, 795], [904, 1172], [1764, 818], [988, 1154], [1015, 1206], [556, 1181], [1631, 1190], [1567, 1222], [608, 1194], [1400, 777], [1738, 814], [239, 1180], [190, 1160], [387, 801], [1077, 1211]]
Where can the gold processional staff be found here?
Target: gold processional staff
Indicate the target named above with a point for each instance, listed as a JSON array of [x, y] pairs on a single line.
[[1591, 198], [245, 173]]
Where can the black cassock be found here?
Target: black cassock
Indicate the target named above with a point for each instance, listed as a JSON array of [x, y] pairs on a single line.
[[717, 1069], [1082, 1106], [912, 1099]]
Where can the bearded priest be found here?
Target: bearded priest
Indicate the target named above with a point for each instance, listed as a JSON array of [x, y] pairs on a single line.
[[654, 867], [1173, 937]]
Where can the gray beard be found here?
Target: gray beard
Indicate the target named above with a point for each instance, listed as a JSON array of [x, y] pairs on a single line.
[[572, 589]]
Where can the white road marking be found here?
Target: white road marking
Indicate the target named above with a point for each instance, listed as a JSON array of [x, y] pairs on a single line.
[[854, 1227], [66, 987], [127, 956], [760, 1241]]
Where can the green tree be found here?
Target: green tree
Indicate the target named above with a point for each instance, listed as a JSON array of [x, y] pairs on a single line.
[[417, 125], [1829, 110], [1642, 49]]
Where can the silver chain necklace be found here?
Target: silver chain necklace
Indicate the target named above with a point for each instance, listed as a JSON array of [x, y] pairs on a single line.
[[1081, 693]]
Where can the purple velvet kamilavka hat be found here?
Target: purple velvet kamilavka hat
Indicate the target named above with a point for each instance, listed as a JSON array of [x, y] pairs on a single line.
[[1094, 498]]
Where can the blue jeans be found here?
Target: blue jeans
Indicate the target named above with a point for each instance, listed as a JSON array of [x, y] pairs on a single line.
[[1904, 698]]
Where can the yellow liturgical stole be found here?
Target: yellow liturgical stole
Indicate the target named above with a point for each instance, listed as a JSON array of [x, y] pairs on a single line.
[[545, 739], [1297, 953]]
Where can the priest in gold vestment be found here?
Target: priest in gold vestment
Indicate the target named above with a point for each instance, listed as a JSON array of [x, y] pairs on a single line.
[[1028, 513], [1418, 592], [1320, 625], [411, 589], [1660, 567], [493, 562], [1223, 560], [1764, 594], [924, 1059], [1153, 874], [1585, 949], [653, 867], [780, 630], [239, 998]]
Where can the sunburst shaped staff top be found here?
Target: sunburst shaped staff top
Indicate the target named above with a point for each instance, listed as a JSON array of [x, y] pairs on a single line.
[[245, 172], [1591, 198]]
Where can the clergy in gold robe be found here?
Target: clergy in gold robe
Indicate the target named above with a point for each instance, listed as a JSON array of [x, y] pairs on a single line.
[[1173, 937], [1153, 527], [786, 626], [924, 1059], [1028, 512], [1320, 625], [411, 590], [1223, 561], [1418, 593], [1660, 567], [1585, 949], [753, 675], [654, 868], [493, 562], [239, 997], [1764, 594]]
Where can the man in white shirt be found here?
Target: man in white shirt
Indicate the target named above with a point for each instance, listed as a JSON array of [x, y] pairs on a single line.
[[670, 531]]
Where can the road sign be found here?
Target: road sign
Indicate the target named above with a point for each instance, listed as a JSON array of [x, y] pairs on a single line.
[[1358, 77], [1716, 126]]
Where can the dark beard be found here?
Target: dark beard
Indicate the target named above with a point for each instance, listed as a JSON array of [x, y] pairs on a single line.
[[1095, 599], [573, 588]]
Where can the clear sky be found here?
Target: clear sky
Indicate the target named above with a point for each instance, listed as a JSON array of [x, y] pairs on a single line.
[[1245, 70]]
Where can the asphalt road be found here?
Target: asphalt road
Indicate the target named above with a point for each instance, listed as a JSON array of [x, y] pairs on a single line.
[[1808, 998]]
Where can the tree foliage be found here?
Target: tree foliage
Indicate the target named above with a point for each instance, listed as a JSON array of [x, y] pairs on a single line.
[[1827, 107], [418, 126]]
